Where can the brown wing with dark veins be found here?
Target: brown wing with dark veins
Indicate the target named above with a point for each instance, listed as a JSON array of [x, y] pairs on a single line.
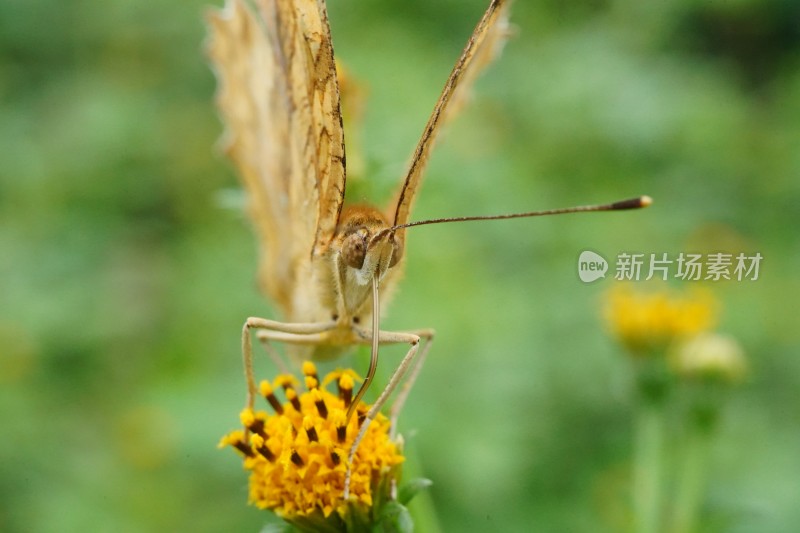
[[483, 46], [279, 100]]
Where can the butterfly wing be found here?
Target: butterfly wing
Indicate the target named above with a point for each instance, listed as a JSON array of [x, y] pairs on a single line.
[[483, 46], [279, 99]]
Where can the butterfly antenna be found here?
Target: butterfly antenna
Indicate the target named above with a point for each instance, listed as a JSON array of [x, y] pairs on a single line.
[[373, 357], [631, 203]]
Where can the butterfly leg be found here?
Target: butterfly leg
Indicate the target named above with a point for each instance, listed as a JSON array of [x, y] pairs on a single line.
[[306, 333], [276, 357], [402, 396], [389, 337]]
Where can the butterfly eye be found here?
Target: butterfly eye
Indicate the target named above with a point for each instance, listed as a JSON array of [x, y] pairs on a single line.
[[397, 252], [354, 249]]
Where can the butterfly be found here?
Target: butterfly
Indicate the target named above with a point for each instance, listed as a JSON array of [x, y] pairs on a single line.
[[327, 266]]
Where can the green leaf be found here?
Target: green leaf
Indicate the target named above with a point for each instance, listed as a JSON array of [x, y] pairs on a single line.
[[358, 519], [394, 518], [412, 488]]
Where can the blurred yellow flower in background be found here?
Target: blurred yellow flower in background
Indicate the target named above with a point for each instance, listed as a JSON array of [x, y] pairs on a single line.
[[648, 322], [679, 365]]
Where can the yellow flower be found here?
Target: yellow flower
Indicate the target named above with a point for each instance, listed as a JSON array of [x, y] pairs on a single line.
[[710, 356], [648, 322], [297, 456]]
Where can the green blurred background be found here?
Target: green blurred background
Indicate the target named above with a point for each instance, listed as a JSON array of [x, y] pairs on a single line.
[[127, 265]]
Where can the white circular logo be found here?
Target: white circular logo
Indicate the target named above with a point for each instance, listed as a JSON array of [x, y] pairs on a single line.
[[591, 266]]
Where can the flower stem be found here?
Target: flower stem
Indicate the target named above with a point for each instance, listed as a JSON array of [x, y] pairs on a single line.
[[691, 480], [648, 467]]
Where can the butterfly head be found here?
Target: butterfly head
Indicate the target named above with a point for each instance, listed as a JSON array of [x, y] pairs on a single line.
[[369, 247]]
